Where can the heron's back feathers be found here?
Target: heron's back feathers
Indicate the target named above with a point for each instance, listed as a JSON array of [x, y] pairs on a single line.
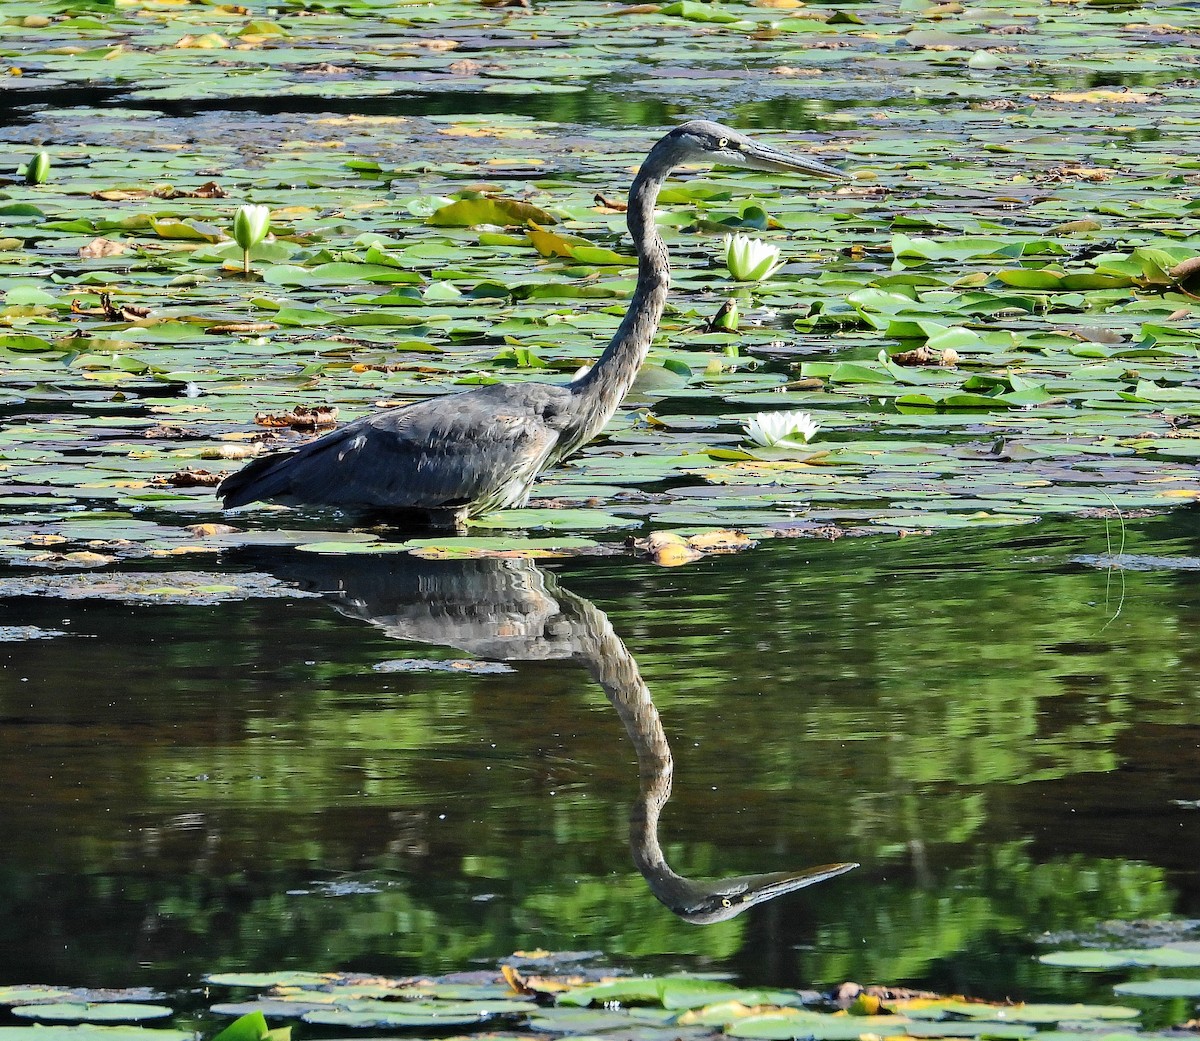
[[480, 449]]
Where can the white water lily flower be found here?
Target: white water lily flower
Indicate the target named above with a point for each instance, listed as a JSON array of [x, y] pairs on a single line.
[[781, 429], [751, 260]]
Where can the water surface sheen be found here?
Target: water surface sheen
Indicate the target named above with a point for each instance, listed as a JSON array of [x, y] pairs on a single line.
[[1001, 730]]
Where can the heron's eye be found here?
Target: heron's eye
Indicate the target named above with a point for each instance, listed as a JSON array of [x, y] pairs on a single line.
[[726, 902], [723, 143]]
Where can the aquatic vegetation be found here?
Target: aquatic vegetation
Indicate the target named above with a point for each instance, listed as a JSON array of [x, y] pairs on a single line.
[[250, 227], [37, 170], [781, 429], [995, 320], [749, 259]]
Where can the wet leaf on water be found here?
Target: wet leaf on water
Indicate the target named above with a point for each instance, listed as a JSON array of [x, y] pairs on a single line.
[[391, 1019], [471, 213], [789, 1024], [1160, 988], [265, 980], [92, 1032], [23, 995], [1159, 957], [91, 1012], [145, 588]]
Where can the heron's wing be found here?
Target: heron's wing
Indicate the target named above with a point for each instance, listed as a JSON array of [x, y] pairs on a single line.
[[480, 448]]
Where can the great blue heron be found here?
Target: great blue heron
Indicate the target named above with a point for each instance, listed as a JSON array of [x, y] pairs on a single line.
[[455, 456]]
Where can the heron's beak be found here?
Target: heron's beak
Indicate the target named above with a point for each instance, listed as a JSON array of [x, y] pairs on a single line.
[[767, 887], [703, 903], [764, 157]]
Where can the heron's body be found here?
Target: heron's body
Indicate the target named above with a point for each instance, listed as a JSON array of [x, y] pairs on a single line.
[[463, 454]]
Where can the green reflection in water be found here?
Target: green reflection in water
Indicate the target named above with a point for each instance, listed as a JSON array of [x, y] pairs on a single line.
[[972, 718]]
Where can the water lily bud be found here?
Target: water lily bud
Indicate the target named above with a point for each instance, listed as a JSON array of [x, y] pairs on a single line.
[[726, 319], [750, 260], [37, 170], [250, 225]]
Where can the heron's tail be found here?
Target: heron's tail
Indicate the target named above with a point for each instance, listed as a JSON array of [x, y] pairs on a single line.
[[262, 478]]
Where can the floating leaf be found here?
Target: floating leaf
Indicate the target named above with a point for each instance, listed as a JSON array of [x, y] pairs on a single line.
[[1161, 988], [470, 213], [92, 1012]]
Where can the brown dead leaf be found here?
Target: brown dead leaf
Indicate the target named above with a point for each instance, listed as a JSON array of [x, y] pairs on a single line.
[[87, 558], [638, 9], [1097, 97], [203, 531], [302, 417], [529, 986], [102, 247], [1074, 227], [122, 194], [792, 71], [924, 355], [208, 190], [46, 540], [109, 311], [1083, 173], [229, 452], [612, 205], [170, 431], [666, 549], [187, 479], [846, 994], [995, 105], [205, 42], [515, 981], [723, 540], [239, 328], [465, 67]]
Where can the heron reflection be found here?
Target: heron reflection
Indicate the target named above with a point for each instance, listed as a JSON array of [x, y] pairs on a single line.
[[512, 610]]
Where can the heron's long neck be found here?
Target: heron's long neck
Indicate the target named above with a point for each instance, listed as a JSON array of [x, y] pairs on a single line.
[[600, 391]]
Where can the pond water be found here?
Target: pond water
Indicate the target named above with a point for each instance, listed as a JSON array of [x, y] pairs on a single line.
[[1000, 728], [220, 754]]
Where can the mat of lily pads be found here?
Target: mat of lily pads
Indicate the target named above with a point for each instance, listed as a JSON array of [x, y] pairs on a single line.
[[994, 320], [542, 995]]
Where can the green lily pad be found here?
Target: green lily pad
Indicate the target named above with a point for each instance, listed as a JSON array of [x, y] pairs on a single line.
[[1161, 988], [265, 980], [92, 1012], [92, 1032]]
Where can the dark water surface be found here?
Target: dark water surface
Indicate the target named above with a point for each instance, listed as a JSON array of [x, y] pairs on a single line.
[[1000, 727]]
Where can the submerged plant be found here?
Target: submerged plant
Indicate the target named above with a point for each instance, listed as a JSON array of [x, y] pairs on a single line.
[[781, 429], [751, 260], [250, 227]]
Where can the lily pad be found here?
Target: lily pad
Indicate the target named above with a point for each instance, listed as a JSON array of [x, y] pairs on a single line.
[[92, 1012]]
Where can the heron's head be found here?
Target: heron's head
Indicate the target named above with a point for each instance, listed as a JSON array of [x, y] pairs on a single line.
[[701, 140], [703, 903]]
